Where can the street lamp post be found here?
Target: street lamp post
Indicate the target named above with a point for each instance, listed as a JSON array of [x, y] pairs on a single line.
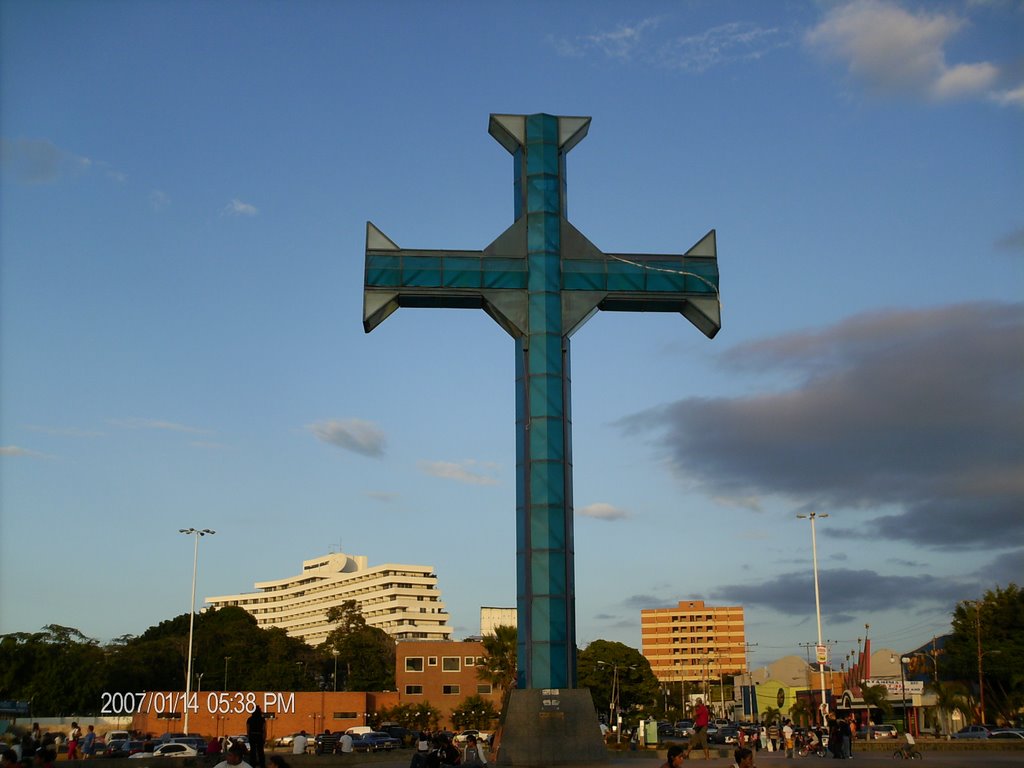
[[903, 691], [226, 660], [192, 615], [335, 652], [817, 609], [614, 703]]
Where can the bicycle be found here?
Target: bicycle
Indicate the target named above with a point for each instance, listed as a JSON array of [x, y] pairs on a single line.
[[906, 753]]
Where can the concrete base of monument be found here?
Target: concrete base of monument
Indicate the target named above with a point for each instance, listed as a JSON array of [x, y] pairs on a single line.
[[547, 727]]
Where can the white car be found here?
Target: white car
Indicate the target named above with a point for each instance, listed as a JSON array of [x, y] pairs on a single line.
[[885, 731], [169, 750], [481, 736]]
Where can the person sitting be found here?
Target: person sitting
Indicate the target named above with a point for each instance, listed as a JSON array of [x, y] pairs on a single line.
[[675, 757], [744, 758]]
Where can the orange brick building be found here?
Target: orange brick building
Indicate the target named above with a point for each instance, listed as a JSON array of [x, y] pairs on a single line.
[[441, 673], [693, 641], [214, 713]]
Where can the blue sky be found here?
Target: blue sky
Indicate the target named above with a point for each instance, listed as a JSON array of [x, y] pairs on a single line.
[[185, 188]]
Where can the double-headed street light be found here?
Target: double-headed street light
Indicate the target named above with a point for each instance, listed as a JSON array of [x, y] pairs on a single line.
[[817, 608], [192, 615]]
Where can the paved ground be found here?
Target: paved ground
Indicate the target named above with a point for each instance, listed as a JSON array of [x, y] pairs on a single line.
[[944, 759]]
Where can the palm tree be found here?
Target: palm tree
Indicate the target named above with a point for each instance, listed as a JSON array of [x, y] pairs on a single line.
[[770, 715], [948, 698], [876, 697], [499, 666], [800, 713]]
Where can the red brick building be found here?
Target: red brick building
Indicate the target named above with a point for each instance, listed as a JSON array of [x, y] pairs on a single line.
[[441, 673], [214, 713]]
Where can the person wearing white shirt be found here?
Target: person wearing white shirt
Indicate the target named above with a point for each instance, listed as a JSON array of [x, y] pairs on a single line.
[[300, 743], [346, 744], [233, 759]]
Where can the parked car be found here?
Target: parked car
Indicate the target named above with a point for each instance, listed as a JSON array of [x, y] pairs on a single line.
[[1007, 733], [974, 732], [374, 741], [175, 749], [198, 743], [481, 736], [146, 750], [727, 734], [666, 729], [327, 743], [886, 731], [684, 728], [117, 748], [287, 741], [404, 735]]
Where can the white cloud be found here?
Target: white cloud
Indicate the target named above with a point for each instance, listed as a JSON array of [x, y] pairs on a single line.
[[1011, 98], [735, 41], [356, 435], [963, 80], [38, 161], [641, 41], [159, 200], [892, 50], [169, 426], [385, 497], [623, 41], [602, 511], [459, 471], [63, 431], [238, 208], [14, 450]]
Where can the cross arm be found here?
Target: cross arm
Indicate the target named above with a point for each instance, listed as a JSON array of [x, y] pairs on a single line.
[[686, 283], [493, 279]]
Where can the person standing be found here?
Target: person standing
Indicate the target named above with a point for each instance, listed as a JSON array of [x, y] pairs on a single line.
[[256, 730], [473, 754], [787, 737], [701, 717], [73, 737], [773, 736], [89, 743]]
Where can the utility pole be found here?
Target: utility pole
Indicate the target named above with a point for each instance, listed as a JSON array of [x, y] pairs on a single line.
[[750, 677]]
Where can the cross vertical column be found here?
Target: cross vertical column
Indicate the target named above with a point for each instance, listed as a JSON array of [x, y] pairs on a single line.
[[544, 525]]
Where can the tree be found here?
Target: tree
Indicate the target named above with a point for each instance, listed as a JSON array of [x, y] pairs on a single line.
[[500, 661], [877, 697], [949, 697], [770, 715], [800, 712], [605, 664], [999, 620], [365, 654], [58, 669], [416, 717], [474, 712]]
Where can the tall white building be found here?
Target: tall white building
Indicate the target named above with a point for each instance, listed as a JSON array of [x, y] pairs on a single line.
[[491, 617], [402, 600]]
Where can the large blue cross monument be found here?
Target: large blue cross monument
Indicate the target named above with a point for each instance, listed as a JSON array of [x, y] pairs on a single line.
[[541, 279]]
